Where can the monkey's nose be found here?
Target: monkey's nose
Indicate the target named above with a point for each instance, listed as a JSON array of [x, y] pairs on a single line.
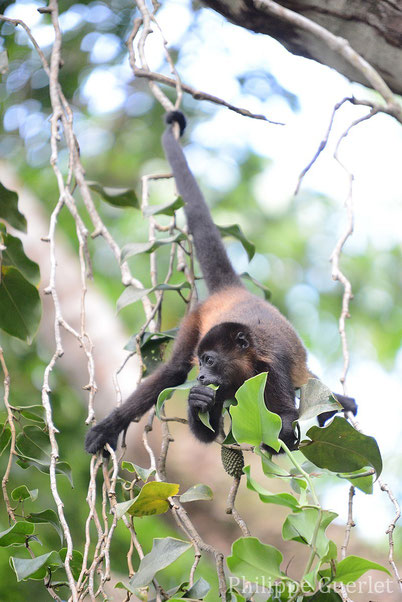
[[201, 378]]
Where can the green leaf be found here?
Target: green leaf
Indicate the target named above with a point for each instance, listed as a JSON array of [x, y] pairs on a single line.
[[152, 499], [47, 516], [35, 568], [33, 443], [16, 534], [164, 552], [341, 448], [14, 256], [63, 468], [151, 338], [255, 561], [281, 499], [352, 568], [265, 290], [270, 468], [236, 232], [300, 527], [199, 590], [9, 209], [118, 197], [143, 473], [364, 483], [166, 209], [152, 345], [196, 493], [316, 398], [5, 438], [136, 248], [75, 561], [332, 553], [132, 294], [20, 306], [204, 418], [21, 493], [35, 413], [167, 394], [252, 422]]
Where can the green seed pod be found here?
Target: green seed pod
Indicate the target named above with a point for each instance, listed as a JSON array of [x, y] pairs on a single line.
[[233, 461]]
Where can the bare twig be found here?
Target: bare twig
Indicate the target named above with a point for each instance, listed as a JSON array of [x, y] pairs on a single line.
[[10, 420], [230, 507], [350, 523]]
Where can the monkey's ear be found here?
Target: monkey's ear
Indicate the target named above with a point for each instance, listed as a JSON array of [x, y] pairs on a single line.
[[242, 341]]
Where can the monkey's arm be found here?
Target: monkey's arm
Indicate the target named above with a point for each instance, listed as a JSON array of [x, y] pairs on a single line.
[[171, 374], [280, 398], [204, 399], [348, 404]]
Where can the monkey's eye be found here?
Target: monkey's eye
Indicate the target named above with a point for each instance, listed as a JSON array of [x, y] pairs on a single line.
[[208, 360]]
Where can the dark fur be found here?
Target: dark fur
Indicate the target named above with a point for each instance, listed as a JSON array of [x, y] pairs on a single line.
[[242, 334]]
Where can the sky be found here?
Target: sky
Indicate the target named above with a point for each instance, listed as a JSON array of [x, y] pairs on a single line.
[[371, 151]]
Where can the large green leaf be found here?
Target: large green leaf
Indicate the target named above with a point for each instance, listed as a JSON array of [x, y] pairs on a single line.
[[352, 568], [14, 256], [9, 209], [252, 422], [163, 553], [280, 499], [341, 448], [236, 232], [16, 534], [316, 398], [35, 568], [255, 561], [118, 197], [20, 306], [300, 526], [152, 499]]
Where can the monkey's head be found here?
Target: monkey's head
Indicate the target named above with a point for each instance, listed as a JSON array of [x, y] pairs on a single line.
[[226, 357]]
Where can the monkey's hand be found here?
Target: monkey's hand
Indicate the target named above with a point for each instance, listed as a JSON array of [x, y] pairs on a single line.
[[202, 399], [106, 431]]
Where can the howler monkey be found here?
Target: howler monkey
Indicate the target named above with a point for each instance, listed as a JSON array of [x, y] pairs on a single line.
[[234, 334]]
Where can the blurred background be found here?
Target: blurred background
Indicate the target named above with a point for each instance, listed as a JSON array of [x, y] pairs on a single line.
[[248, 170]]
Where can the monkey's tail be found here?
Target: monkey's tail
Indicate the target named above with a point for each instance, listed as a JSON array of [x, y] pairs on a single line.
[[211, 254]]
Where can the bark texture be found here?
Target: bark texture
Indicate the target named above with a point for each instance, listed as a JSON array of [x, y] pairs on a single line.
[[372, 27]]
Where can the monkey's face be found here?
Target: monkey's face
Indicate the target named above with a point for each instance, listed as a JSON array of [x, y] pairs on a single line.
[[225, 358]]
